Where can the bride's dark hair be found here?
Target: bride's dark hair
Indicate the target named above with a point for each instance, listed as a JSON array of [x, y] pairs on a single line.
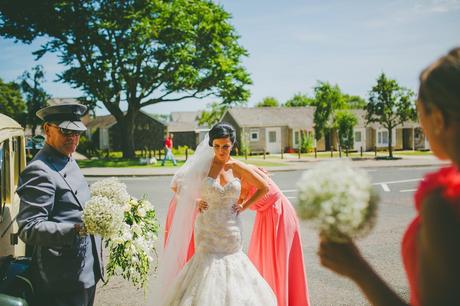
[[222, 130]]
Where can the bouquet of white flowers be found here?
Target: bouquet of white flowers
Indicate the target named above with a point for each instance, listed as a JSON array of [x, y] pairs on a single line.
[[129, 226], [339, 199], [132, 252], [102, 217]]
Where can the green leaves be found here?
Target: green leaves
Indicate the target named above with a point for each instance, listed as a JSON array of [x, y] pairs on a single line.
[[344, 122], [140, 52], [268, 102], [213, 116], [390, 105], [35, 95], [328, 98], [299, 99], [11, 102]]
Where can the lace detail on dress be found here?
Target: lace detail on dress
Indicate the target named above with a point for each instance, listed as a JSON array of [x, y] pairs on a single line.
[[218, 229]]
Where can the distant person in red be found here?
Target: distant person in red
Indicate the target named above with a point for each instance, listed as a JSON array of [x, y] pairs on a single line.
[[168, 144]]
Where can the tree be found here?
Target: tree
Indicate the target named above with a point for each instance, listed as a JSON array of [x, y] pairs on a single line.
[[344, 122], [354, 102], [268, 102], [328, 98], [390, 105], [213, 116], [299, 100], [134, 53], [11, 101], [36, 96]]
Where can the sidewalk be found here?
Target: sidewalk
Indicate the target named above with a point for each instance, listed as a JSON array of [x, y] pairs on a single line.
[[291, 165]]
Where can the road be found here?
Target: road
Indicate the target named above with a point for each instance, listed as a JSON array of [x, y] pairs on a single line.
[[382, 247]]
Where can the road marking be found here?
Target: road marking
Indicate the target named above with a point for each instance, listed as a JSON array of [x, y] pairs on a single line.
[[408, 190], [400, 181], [289, 190], [386, 188], [420, 168]]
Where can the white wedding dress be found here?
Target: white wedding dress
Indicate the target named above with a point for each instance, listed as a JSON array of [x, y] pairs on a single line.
[[219, 274]]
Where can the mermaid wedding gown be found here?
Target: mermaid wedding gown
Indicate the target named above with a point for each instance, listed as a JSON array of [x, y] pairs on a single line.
[[219, 273]]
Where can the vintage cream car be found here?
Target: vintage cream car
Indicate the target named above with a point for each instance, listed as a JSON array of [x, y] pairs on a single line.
[[12, 162]]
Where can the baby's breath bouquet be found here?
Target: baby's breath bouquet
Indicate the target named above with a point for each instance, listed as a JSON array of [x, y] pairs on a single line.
[[338, 199], [129, 226]]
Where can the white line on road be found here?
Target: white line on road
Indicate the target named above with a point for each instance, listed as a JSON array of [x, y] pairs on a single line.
[[289, 190], [400, 181], [386, 188], [408, 190]]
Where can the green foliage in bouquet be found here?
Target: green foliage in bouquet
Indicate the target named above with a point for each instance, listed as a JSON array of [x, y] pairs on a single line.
[[129, 226]]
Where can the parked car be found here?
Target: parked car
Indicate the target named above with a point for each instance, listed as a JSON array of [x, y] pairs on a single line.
[[12, 250]]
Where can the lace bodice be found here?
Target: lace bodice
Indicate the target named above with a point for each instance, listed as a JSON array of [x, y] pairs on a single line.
[[218, 229]]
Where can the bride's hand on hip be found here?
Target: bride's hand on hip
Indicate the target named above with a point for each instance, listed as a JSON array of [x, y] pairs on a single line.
[[238, 208], [202, 205]]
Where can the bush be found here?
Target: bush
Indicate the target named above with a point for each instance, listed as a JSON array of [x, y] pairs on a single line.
[[181, 150], [306, 143]]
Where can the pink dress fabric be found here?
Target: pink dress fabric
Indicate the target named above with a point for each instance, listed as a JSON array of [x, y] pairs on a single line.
[[448, 180], [275, 248]]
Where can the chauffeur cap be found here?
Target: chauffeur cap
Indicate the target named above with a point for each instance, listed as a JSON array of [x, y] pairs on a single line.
[[66, 116]]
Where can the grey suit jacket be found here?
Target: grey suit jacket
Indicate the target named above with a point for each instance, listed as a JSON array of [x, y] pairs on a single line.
[[53, 193]]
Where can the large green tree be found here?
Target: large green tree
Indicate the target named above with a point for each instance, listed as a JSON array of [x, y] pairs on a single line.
[[268, 102], [354, 102], [299, 100], [344, 122], [390, 105], [130, 54], [35, 95], [11, 102], [328, 99]]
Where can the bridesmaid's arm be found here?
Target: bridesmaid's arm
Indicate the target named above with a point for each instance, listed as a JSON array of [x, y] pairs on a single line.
[[244, 172], [345, 259], [439, 245]]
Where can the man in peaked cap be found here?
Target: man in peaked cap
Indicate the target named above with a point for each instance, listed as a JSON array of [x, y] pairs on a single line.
[[67, 263]]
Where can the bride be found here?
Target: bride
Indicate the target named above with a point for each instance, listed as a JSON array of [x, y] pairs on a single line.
[[219, 273]]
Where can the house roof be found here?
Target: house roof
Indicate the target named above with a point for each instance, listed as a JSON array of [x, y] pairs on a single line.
[[98, 122], [108, 121], [56, 101], [293, 117], [185, 122]]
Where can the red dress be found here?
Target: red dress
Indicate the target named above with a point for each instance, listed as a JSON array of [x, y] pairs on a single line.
[[448, 180]]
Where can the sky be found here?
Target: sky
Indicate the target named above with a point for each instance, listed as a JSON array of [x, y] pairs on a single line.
[[292, 44]]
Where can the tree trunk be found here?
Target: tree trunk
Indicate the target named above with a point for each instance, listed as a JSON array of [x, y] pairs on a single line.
[[127, 134], [390, 139]]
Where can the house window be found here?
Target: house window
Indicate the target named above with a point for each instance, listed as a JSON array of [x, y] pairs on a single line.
[[358, 136], [296, 138], [272, 136], [382, 137], [254, 135]]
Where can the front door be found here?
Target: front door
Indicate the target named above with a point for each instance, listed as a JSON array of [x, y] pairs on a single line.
[[273, 140]]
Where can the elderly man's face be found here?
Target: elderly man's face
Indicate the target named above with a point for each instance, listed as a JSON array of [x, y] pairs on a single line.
[[65, 144]]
